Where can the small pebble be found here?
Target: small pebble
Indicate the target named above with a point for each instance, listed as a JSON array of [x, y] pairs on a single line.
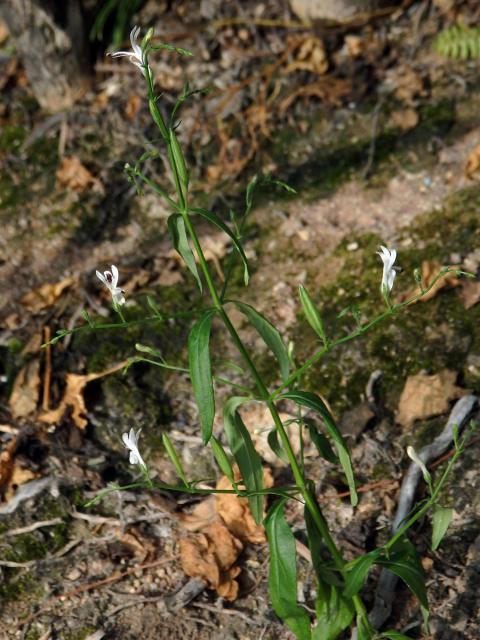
[[353, 246]]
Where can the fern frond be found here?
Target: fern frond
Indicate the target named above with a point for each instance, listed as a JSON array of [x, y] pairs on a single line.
[[458, 42]]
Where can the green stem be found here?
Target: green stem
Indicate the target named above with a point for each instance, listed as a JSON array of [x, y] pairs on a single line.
[[391, 311], [428, 505], [310, 501]]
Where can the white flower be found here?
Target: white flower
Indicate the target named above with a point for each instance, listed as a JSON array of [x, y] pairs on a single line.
[[389, 273], [110, 280], [136, 54], [130, 440]]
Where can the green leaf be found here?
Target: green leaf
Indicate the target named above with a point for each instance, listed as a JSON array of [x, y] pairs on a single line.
[[311, 314], [404, 562], [178, 233], [312, 401], [282, 579], [364, 632], [270, 335], [333, 615], [357, 573], [394, 635], [173, 455], [214, 219], [275, 445], [86, 316], [321, 442], [179, 159], [248, 460], [442, 516], [222, 459], [201, 373]]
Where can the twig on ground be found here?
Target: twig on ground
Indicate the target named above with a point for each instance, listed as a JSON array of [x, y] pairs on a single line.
[[47, 376], [229, 612], [385, 592], [32, 527]]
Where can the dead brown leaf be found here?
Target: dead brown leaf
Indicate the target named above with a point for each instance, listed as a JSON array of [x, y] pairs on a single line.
[[211, 555], [72, 174], [73, 397], [4, 32], [355, 45], [470, 293], [424, 396], [26, 390], [408, 84], [429, 270], [47, 295], [6, 462], [20, 475], [235, 511], [473, 163], [310, 56], [203, 515], [132, 107], [405, 119]]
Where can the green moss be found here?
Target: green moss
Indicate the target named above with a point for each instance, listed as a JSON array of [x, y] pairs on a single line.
[[430, 336], [19, 586]]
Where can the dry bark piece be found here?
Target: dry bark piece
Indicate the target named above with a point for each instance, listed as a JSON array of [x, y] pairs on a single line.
[[473, 163], [20, 475], [73, 397], [210, 556], [47, 295], [424, 396], [26, 390], [72, 174]]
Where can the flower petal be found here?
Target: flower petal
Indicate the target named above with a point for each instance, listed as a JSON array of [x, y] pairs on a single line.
[[114, 276], [101, 277]]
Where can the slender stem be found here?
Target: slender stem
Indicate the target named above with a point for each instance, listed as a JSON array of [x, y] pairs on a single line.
[[309, 499], [430, 502], [391, 311]]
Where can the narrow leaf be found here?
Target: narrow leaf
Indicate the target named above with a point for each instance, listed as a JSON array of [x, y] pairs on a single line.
[[405, 563], [442, 516], [222, 459], [357, 573], [270, 335], [282, 579], [214, 219], [321, 442], [201, 373], [173, 455], [178, 233], [394, 635], [312, 401], [245, 455], [333, 616], [311, 314], [275, 445]]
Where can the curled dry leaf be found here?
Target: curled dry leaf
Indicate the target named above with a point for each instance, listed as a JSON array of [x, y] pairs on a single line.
[[424, 396], [47, 295], [470, 293], [472, 165], [26, 390], [405, 119], [73, 397], [211, 555], [310, 56], [72, 174], [429, 271], [235, 511]]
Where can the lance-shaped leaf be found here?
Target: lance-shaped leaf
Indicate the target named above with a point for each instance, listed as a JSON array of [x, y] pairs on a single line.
[[312, 401], [282, 579], [222, 459], [357, 573], [333, 615], [270, 335], [442, 516], [394, 635], [275, 446], [214, 219], [178, 233], [404, 562], [320, 441], [201, 371], [173, 455], [311, 314], [245, 455]]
